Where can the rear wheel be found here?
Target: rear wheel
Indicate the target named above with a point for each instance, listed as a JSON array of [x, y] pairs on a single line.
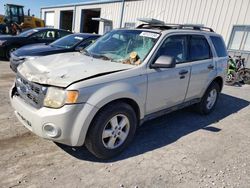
[[112, 130], [209, 100], [244, 75]]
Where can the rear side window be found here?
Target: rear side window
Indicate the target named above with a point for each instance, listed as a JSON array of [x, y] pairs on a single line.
[[219, 46], [199, 48]]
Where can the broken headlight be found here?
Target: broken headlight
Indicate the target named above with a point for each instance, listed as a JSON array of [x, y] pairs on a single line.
[[57, 97]]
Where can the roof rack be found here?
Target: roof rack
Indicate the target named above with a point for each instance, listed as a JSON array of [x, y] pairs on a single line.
[[195, 27], [155, 26], [158, 24]]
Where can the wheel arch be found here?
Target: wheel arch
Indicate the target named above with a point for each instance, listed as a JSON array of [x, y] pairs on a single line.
[[219, 81], [83, 132], [126, 100]]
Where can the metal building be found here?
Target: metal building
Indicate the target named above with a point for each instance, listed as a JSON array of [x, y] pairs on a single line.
[[230, 18]]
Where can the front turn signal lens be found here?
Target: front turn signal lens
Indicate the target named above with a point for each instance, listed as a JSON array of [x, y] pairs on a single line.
[[71, 97]]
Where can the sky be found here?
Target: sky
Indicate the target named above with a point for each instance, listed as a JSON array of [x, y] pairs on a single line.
[[35, 5]]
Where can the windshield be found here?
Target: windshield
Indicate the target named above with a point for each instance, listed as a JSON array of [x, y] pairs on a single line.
[[123, 46], [28, 33], [67, 41]]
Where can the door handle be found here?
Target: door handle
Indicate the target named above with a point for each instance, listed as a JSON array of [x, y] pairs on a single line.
[[210, 67], [183, 72]]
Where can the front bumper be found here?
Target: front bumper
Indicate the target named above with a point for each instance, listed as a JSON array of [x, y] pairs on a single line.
[[72, 120]]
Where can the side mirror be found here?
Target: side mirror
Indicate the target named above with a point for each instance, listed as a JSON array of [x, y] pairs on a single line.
[[164, 62]]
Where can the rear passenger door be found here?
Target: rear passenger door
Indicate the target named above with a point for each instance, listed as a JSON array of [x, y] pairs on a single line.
[[203, 66], [167, 87]]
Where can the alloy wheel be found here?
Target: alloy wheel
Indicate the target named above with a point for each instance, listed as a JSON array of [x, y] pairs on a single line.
[[211, 99], [115, 131]]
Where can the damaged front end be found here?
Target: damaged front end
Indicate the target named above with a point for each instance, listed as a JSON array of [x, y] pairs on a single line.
[[64, 69], [30, 92]]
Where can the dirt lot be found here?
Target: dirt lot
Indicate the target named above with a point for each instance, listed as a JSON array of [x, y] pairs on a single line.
[[181, 149]]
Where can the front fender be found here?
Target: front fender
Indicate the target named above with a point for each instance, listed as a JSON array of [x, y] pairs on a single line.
[[98, 96], [116, 91]]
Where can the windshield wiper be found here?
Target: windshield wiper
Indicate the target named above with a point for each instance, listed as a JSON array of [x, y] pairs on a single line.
[[86, 52], [103, 57]]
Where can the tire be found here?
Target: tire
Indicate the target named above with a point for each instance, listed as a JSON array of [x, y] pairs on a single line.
[[105, 139], [9, 51], [245, 75], [231, 78], [206, 105]]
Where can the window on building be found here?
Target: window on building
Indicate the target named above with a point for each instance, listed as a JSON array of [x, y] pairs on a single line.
[[240, 38], [247, 42]]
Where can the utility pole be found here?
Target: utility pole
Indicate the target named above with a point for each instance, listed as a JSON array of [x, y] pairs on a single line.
[[122, 12]]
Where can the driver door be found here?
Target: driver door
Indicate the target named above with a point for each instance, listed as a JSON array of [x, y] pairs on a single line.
[[167, 87]]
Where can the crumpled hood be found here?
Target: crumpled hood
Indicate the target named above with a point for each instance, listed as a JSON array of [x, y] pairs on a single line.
[[63, 69]]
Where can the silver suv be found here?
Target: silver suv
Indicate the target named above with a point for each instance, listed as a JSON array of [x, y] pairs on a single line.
[[99, 97]]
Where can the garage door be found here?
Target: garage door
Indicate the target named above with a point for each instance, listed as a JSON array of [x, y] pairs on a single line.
[[49, 19]]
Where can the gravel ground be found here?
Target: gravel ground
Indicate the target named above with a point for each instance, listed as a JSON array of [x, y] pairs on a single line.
[[181, 149]]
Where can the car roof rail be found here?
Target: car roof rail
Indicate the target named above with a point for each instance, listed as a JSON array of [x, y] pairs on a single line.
[[195, 27], [150, 23], [154, 26], [174, 26]]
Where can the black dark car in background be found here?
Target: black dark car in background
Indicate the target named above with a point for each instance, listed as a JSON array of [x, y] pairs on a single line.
[[10, 43], [70, 43]]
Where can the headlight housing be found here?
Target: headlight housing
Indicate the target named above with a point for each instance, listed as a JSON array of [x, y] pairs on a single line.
[[2, 42], [58, 97]]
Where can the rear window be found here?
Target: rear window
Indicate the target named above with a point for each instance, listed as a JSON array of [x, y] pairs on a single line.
[[199, 48], [219, 46]]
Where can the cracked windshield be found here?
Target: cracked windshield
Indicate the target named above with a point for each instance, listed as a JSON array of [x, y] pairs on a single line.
[[123, 46]]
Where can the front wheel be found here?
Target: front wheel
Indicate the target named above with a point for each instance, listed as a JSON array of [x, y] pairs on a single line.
[[209, 99], [231, 78], [111, 130], [244, 75]]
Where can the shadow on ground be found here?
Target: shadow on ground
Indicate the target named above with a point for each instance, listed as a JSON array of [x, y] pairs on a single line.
[[169, 128]]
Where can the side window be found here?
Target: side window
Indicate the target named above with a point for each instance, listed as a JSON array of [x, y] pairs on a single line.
[[50, 35], [219, 46], [39, 35], [174, 46], [199, 48]]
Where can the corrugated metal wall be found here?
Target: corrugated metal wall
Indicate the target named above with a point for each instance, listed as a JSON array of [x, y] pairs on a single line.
[[221, 15]]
